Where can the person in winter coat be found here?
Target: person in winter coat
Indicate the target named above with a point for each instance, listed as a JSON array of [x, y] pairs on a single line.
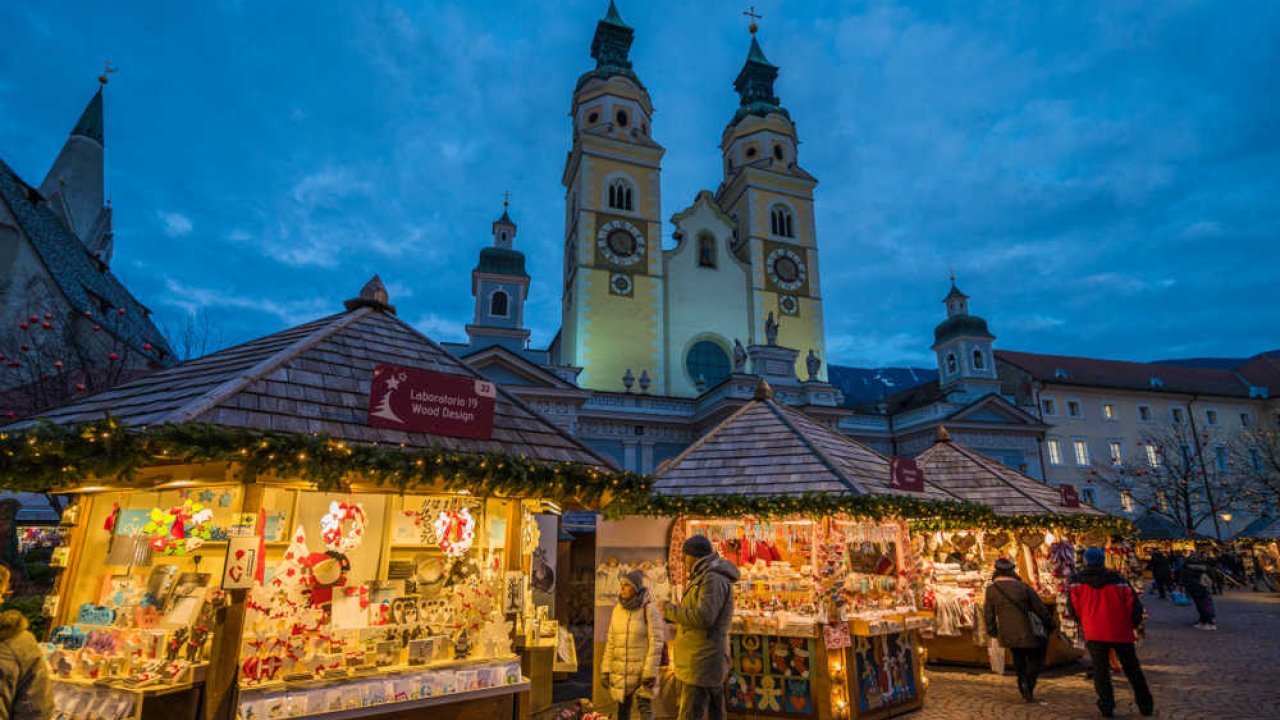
[[1197, 581], [1109, 612], [1161, 572], [702, 619], [26, 692], [1008, 602], [633, 649], [1260, 575]]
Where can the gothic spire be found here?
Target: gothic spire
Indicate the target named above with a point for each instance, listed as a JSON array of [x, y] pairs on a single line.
[[90, 123]]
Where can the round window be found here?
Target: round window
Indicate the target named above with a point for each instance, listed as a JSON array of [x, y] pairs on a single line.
[[621, 118], [593, 117], [751, 152], [707, 363]]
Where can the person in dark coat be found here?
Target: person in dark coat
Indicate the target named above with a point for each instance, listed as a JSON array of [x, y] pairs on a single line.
[[1197, 582], [1161, 572], [1008, 602], [1109, 612], [26, 688], [700, 651]]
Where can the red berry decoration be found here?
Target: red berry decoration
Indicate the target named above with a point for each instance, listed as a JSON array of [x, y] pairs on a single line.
[[14, 364], [25, 347], [97, 328], [34, 318], [47, 326], [79, 387], [120, 311], [146, 346], [58, 364], [48, 316], [113, 356], [88, 313], [24, 326]]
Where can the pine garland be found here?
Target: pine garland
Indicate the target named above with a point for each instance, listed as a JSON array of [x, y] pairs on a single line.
[[49, 457], [923, 515]]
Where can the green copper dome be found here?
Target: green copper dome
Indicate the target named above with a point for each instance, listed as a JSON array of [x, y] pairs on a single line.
[[754, 86], [501, 261], [969, 325]]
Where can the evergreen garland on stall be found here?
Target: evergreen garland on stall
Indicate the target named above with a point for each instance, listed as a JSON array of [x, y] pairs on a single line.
[[48, 457]]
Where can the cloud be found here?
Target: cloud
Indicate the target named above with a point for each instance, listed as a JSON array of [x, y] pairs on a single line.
[[175, 224], [192, 299], [441, 329]]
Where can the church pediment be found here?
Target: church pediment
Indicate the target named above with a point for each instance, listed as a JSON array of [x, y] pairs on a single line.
[[994, 409], [507, 368]]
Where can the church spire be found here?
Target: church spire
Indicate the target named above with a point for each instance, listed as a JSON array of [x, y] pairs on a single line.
[[610, 47], [754, 84], [504, 228], [74, 185]]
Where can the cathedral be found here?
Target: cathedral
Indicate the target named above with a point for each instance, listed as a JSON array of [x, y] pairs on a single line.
[[643, 364]]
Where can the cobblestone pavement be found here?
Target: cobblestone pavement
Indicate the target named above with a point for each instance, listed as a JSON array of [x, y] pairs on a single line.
[[1193, 674]]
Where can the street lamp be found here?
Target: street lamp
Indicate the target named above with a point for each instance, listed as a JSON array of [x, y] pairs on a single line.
[[1226, 518]]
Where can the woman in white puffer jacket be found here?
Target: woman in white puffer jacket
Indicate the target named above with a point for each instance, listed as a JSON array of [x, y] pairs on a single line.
[[633, 649]]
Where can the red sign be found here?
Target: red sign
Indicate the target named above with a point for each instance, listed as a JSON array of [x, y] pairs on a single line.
[[904, 474], [413, 400], [1069, 497]]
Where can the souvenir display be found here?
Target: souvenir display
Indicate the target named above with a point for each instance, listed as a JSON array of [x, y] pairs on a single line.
[[830, 597]]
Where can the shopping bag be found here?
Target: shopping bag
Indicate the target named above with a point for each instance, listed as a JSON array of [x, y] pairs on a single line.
[[1180, 598], [996, 654]]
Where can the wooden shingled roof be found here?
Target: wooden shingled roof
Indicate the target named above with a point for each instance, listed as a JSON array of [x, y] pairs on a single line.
[[969, 475], [315, 378], [767, 448]]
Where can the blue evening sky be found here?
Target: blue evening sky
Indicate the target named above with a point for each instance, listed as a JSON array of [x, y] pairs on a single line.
[[1104, 177]]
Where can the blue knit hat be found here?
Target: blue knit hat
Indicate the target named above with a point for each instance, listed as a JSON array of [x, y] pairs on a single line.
[[1095, 557], [697, 546]]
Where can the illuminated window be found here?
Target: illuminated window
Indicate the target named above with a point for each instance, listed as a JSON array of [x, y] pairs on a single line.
[[780, 221], [1082, 451], [1162, 501], [1117, 452], [1109, 411], [1055, 451], [1126, 500], [1153, 456], [707, 363]]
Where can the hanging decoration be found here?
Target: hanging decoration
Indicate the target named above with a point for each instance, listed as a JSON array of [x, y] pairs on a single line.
[[342, 528], [456, 530], [179, 530]]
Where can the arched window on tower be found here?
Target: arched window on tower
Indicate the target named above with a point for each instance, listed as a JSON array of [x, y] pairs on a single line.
[[620, 195], [780, 222], [706, 250], [951, 363], [979, 360], [498, 304]]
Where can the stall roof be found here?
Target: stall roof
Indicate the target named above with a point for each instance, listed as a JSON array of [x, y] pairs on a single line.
[[972, 476], [1158, 527], [766, 448], [315, 378], [1264, 528]]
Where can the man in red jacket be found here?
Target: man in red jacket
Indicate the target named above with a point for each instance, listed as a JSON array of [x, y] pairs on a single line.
[[1108, 610]]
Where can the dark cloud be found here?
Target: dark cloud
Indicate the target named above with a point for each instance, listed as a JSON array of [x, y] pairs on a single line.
[[1102, 177]]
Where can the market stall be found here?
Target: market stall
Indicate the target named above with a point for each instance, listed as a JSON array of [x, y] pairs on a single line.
[[1034, 525], [334, 521], [825, 623]]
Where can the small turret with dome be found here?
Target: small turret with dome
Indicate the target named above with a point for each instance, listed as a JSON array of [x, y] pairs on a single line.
[[500, 285], [962, 342]]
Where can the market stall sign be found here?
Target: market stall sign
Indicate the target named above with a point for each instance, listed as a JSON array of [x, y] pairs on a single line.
[[1069, 497], [905, 474], [414, 400]]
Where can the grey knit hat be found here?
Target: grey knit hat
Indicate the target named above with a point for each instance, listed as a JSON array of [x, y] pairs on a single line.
[[635, 578]]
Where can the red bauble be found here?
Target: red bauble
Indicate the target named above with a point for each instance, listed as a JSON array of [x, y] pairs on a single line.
[[34, 318], [120, 311], [24, 326], [113, 356]]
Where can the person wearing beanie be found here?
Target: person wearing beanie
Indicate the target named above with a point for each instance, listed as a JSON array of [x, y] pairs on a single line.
[[633, 649], [700, 651], [1109, 612], [1009, 609], [1196, 580]]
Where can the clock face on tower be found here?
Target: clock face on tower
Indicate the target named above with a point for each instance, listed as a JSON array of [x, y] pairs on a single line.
[[786, 269], [620, 243]]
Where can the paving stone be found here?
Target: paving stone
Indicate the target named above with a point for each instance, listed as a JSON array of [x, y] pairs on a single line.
[[1193, 674]]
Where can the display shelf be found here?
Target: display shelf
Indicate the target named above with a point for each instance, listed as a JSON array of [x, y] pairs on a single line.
[[382, 673], [406, 706]]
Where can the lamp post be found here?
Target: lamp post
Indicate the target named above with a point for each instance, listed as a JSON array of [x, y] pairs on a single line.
[[1226, 518]]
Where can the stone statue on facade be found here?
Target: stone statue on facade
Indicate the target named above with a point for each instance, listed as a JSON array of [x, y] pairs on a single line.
[[813, 364], [770, 330], [739, 357]]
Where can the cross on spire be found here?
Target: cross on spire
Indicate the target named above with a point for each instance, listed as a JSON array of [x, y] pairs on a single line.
[[506, 199], [751, 13], [107, 70]]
